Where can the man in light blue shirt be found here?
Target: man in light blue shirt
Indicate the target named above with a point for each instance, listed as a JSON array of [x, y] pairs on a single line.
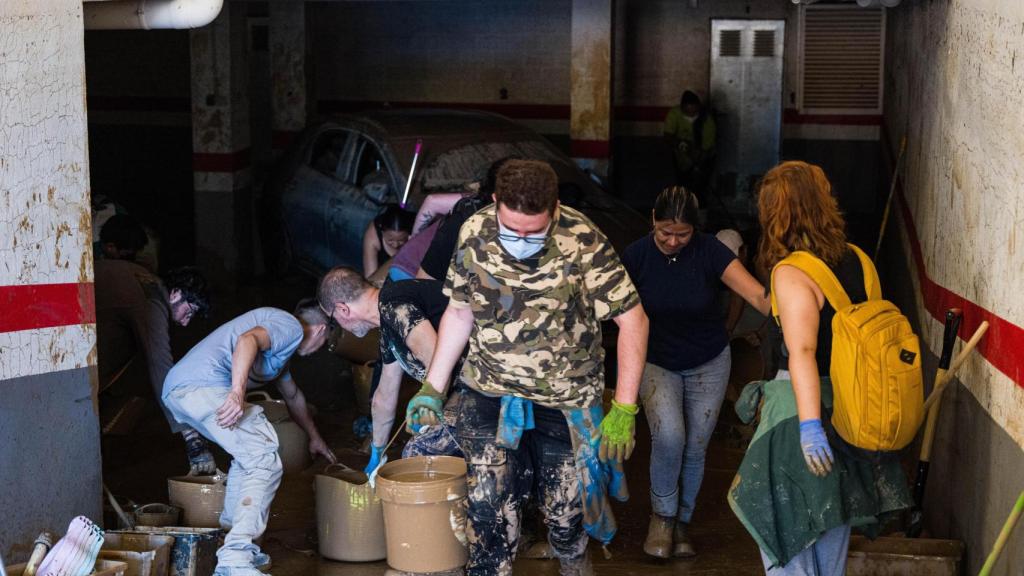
[[206, 390]]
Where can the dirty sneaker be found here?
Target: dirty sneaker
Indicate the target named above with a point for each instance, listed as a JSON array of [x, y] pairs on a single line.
[[262, 561], [237, 571], [683, 547]]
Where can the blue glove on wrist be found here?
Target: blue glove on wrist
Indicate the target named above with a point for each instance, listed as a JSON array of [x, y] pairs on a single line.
[[376, 454], [814, 443]]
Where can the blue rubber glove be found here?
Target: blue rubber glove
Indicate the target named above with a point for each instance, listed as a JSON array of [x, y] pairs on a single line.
[[814, 443], [376, 457], [426, 408]]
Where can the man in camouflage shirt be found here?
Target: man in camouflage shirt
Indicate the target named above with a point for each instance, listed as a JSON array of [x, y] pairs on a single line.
[[529, 284]]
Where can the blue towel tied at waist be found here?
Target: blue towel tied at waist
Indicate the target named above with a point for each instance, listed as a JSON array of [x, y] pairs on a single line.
[[597, 479]]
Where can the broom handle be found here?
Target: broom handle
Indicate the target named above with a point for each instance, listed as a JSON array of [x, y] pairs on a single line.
[[888, 201], [1004, 535], [940, 384]]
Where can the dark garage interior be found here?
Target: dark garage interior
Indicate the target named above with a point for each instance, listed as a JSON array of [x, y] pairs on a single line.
[[180, 181]]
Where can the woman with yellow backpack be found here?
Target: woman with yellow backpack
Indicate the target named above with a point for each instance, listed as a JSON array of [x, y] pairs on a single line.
[[847, 395]]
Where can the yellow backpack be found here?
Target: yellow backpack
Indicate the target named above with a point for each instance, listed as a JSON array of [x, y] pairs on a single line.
[[877, 389]]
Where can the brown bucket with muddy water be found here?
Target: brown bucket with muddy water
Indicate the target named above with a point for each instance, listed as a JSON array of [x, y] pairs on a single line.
[[349, 516], [201, 498], [424, 512]]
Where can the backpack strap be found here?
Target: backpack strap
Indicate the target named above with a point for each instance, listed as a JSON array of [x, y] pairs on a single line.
[[872, 287], [820, 273]]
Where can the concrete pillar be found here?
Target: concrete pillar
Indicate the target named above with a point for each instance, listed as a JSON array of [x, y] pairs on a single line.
[[50, 468], [288, 70], [591, 83], [221, 146]]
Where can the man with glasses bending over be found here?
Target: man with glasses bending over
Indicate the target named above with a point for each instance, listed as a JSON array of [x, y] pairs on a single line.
[[528, 286], [134, 313]]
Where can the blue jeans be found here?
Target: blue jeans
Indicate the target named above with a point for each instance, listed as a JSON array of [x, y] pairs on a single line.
[[826, 557], [682, 410]]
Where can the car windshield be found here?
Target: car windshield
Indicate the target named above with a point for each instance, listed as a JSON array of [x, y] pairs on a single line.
[[453, 169]]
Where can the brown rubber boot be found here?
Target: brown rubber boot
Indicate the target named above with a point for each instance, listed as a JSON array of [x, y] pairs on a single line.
[[659, 537], [683, 548]]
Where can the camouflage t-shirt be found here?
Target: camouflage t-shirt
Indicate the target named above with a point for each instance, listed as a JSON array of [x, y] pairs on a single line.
[[536, 331]]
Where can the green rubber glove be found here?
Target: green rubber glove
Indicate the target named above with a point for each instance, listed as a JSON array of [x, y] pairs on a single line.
[[618, 432], [424, 409]]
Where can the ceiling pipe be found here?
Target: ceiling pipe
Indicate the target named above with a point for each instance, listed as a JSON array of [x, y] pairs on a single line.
[[150, 14]]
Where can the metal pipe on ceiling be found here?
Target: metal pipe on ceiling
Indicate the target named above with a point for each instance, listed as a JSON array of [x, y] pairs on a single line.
[[149, 14]]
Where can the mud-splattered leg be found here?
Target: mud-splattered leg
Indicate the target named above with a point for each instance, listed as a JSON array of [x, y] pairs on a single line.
[[496, 480], [558, 489]]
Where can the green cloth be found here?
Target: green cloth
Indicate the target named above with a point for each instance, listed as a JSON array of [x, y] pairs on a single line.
[[689, 154], [785, 507]]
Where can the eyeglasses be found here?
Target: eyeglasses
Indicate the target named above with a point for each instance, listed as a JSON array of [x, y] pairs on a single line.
[[331, 322], [190, 311], [518, 238], [534, 240]]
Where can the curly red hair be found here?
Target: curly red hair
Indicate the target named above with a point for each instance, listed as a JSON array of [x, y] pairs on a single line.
[[797, 211]]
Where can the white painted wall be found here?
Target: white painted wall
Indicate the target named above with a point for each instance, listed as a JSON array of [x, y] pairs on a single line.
[[45, 235], [956, 89], [49, 430]]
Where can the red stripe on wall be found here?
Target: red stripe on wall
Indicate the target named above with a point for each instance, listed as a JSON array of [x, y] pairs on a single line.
[[1003, 342], [521, 111], [46, 305], [793, 116], [221, 162], [589, 149]]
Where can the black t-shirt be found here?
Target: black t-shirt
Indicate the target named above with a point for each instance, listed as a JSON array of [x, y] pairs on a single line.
[[680, 297], [439, 255], [403, 305], [851, 276]]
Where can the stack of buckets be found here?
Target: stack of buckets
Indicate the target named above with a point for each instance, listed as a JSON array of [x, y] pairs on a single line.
[[418, 509]]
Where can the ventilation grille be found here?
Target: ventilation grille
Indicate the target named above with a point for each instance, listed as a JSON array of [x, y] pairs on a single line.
[[842, 57], [764, 43], [729, 43]]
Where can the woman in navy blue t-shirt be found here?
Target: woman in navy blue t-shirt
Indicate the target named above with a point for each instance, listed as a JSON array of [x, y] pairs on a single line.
[[679, 273]]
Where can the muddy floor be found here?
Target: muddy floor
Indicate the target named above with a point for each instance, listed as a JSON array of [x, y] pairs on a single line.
[[137, 464]]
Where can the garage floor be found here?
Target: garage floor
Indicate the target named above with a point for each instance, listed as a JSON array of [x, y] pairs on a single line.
[[136, 466]]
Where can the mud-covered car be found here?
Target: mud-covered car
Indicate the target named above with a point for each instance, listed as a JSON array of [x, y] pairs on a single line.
[[337, 175]]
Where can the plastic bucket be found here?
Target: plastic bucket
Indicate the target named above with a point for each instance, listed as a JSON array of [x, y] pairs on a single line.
[[293, 442], [424, 512], [157, 515], [274, 410], [349, 516], [201, 498]]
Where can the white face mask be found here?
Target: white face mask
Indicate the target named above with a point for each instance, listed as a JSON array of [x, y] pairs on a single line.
[[520, 247]]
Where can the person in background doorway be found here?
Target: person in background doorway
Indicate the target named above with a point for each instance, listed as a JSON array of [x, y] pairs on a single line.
[[691, 132], [206, 390], [134, 311], [408, 314], [679, 272], [388, 232], [801, 486], [528, 286]]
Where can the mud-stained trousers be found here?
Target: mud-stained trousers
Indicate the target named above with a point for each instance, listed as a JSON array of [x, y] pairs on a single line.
[[501, 480], [255, 469]]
